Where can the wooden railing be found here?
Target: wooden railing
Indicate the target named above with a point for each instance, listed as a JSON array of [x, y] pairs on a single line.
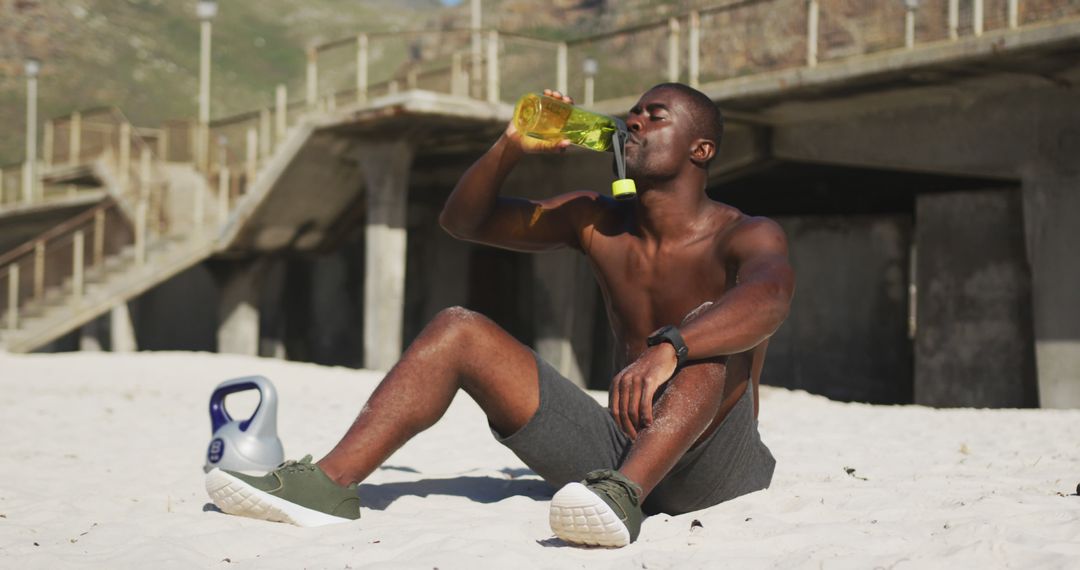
[[67, 255], [136, 215]]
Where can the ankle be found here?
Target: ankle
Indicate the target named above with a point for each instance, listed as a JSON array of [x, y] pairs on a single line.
[[334, 473]]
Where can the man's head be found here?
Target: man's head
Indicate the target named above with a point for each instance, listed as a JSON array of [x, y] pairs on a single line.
[[672, 127]]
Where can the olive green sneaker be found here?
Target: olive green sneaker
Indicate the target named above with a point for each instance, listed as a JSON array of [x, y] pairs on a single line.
[[602, 510], [297, 492]]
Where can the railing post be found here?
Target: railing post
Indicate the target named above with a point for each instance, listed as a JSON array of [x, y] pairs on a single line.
[[561, 57], [493, 66], [264, 133], [193, 138], [909, 25], [477, 50], [281, 103], [99, 239], [252, 163], [361, 68], [13, 296], [75, 138], [124, 167], [694, 49], [39, 270], [28, 182], [47, 144], [977, 17], [954, 19], [1014, 14], [223, 194], [812, 13], [1, 186], [199, 214], [673, 50], [77, 280], [312, 77], [458, 85], [144, 171], [140, 232]]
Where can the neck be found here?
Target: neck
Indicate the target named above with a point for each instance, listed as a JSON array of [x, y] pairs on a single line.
[[667, 210]]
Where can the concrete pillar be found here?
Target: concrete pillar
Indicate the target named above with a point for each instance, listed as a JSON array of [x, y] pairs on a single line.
[[1050, 206], [121, 329], [88, 338], [238, 322], [973, 340], [386, 175], [565, 302]]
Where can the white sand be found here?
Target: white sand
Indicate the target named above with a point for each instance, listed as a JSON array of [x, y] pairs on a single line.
[[103, 457]]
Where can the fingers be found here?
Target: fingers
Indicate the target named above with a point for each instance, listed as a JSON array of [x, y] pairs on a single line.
[[625, 405], [646, 404], [633, 397], [620, 403], [557, 95]]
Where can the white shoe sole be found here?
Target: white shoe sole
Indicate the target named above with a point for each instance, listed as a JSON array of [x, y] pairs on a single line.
[[579, 516], [236, 497]]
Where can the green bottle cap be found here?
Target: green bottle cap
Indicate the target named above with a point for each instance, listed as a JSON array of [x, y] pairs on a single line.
[[623, 189]]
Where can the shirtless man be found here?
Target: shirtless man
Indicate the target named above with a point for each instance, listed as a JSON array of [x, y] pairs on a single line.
[[693, 289]]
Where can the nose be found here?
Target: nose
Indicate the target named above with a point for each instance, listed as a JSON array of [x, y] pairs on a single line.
[[633, 123]]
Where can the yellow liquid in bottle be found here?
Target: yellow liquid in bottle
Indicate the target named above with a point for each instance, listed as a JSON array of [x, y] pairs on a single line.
[[546, 118]]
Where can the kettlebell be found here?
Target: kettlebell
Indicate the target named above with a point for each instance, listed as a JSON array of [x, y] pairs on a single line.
[[250, 445]]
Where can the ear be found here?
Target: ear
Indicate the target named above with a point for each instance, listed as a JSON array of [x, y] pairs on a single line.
[[702, 151]]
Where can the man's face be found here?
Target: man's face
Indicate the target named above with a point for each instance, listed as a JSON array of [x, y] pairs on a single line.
[[661, 127]]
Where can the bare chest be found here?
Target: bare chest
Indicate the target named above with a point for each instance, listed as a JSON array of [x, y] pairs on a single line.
[[647, 286]]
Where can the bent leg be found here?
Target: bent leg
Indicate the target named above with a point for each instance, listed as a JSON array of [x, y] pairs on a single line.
[[686, 409], [458, 349]]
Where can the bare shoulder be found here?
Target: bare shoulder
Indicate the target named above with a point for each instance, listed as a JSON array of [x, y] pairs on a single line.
[[748, 235]]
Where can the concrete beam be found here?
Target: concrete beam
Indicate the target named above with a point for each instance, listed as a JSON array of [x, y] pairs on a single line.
[[386, 174], [238, 325], [897, 62]]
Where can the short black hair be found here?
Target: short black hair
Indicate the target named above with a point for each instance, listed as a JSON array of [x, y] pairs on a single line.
[[709, 121]]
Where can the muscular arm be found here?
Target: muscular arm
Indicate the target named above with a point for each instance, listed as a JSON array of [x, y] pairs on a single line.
[[475, 211], [750, 312], [744, 317]]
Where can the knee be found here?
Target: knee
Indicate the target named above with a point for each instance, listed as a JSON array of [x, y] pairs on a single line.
[[454, 323]]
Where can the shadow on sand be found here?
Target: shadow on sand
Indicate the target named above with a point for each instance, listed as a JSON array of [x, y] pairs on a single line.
[[479, 489]]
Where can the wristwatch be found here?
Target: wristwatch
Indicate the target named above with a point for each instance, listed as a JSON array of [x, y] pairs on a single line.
[[670, 334]]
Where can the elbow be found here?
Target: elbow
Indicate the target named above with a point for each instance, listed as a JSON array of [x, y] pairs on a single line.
[[451, 225], [779, 294]]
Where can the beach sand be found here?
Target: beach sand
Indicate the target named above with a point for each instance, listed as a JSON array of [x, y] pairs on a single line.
[[104, 453]]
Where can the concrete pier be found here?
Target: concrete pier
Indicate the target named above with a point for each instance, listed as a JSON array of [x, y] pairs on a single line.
[[238, 328], [386, 176]]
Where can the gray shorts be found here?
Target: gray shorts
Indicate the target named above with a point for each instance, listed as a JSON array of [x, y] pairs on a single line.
[[571, 434]]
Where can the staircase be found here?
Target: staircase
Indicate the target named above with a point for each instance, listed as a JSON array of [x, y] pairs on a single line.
[[144, 232]]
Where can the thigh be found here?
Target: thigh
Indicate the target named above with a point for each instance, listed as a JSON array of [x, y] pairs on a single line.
[[570, 434]]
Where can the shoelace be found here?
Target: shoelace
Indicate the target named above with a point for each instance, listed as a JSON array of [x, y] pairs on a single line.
[[607, 482], [293, 466]]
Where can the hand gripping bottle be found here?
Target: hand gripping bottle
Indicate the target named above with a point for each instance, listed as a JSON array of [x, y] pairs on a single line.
[[547, 118]]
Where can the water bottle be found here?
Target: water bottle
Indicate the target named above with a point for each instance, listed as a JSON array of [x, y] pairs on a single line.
[[547, 118]]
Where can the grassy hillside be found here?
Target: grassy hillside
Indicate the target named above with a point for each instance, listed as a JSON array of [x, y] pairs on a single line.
[[142, 55]]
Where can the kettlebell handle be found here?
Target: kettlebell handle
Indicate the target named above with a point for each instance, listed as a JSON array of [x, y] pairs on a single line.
[[219, 416]]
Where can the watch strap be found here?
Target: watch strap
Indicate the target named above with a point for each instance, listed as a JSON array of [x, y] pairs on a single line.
[[671, 335]]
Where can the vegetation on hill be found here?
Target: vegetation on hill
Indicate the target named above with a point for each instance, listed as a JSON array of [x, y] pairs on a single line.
[[142, 55]]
